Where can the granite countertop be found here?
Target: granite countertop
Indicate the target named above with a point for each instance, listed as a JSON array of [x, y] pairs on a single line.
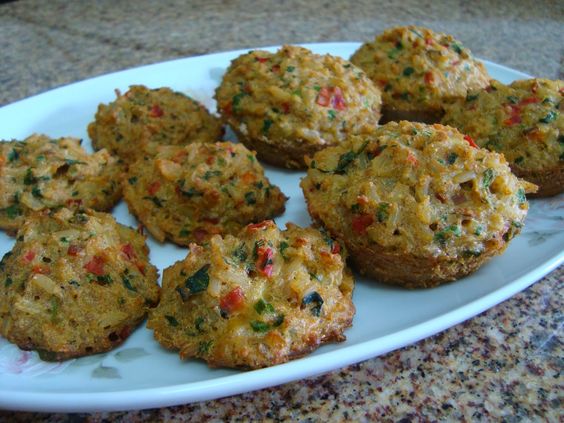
[[503, 364]]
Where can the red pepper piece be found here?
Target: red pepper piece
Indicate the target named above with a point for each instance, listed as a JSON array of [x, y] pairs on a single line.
[[153, 187], [200, 234], [261, 225], [412, 159], [338, 99], [336, 248], [232, 301], [156, 111], [96, 265], [29, 256], [264, 261], [286, 108], [42, 269], [74, 202], [128, 251], [429, 78], [470, 141], [361, 222], [529, 100], [261, 59], [73, 250], [324, 97], [275, 68]]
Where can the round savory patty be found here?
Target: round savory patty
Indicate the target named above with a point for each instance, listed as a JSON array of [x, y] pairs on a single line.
[[187, 194], [40, 173], [524, 121], [418, 71], [142, 118], [293, 103], [75, 283], [415, 204], [255, 300]]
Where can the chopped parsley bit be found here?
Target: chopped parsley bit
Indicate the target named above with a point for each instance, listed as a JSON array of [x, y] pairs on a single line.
[[204, 347], [8, 282], [54, 308], [29, 179], [267, 123], [171, 320], [13, 155], [441, 236], [240, 253], [282, 249], [132, 180], [199, 324], [488, 178], [521, 196], [317, 88], [262, 306], [211, 173], [290, 69], [383, 212], [13, 211], [199, 281], [36, 192], [236, 101], [74, 283], [345, 160], [250, 198], [127, 283], [512, 99], [408, 71], [331, 114], [471, 253], [184, 232], [457, 48], [315, 299], [156, 200], [404, 95], [63, 239], [395, 51], [471, 97], [451, 158], [561, 139], [71, 162], [550, 117], [259, 326], [355, 208], [104, 279], [259, 185], [519, 160], [251, 158]]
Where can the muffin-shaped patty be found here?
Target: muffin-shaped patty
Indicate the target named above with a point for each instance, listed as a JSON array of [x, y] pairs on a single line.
[[416, 204], [293, 103], [255, 300], [418, 70], [41, 173], [524, 121], [187, 194], [75, 283], [142, 118]]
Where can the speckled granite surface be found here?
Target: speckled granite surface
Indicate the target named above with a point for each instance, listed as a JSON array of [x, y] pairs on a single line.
[[506, 364]]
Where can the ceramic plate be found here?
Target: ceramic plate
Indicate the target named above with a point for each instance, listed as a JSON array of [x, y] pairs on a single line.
[[140, 374]]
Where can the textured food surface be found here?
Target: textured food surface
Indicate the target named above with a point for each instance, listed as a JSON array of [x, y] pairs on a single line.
[[255, 300], [141, 118], [418, 71], [75, 283], [187, 194], [39, 173], [524, 122], [293, 102], [416, 204]]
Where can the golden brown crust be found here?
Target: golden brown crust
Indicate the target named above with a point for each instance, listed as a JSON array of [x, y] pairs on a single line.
[[259, 299], [293, 102], [188, 194], [141, 119], [416, 205], [418, 70], [75, 283], [40, 173], [524, 121]]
